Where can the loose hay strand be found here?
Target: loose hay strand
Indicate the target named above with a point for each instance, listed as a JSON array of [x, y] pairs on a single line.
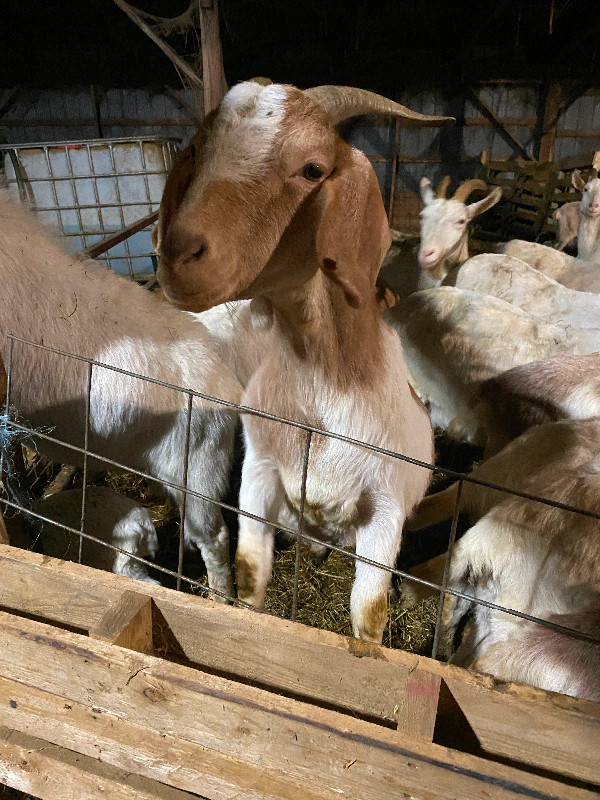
[[324, 601]]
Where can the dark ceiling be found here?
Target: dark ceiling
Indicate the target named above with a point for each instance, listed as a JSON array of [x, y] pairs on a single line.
[[384, 46]]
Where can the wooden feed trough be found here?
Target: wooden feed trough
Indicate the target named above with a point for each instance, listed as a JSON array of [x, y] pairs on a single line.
[[113, 688]]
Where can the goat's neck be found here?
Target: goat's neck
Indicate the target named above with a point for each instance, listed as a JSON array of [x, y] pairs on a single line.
[[588, 238], [322, 332], [458, 255]]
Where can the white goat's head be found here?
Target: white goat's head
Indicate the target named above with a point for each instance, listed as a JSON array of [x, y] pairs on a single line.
[[590, 202], [267, 193], [444, 223]]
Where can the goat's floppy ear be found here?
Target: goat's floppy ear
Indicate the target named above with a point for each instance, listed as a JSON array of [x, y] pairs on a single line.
[[474, 209], [427, 194], [353, 234], [178, 182], [577, 180]]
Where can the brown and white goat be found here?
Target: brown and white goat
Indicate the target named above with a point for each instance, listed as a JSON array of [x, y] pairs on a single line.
[[269, 203], [444, 244], [521, 554]]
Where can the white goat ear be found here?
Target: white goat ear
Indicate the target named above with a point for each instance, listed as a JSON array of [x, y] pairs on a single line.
[[427, 193], [261, 314], [353, 234], [577, 180], [483, 205]]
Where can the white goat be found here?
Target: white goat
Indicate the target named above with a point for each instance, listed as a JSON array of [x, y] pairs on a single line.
[[561, 387], [588, 234], [444, 237], [522, 554], [54, 299], [109, 516], [454, 339], [566, 220], [513, 280], [574, 273], [268, 169]]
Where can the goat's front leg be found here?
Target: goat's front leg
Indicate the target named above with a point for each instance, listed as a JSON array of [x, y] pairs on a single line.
[[261, 494], [380, 541]]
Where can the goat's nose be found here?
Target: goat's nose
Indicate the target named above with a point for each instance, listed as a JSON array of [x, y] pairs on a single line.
[[428, 255], [183, 252]]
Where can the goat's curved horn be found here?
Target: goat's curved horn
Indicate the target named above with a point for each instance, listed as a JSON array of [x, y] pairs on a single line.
[[443, 188], [466, 187], [341, 102]]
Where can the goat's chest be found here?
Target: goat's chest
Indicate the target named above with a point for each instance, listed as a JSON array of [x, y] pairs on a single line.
[[339, 478]]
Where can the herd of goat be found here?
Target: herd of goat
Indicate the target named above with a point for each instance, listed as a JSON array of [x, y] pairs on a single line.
[[272, 231]]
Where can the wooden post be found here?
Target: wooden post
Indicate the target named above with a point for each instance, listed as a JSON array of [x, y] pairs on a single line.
[[96, 111], [552, 109], [213, 73]]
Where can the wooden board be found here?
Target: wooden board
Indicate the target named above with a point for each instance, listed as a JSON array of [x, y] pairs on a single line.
[[533, 728], [191, 730]]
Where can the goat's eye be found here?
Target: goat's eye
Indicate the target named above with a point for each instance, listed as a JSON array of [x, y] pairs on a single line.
[[312, 172], [461, 222]]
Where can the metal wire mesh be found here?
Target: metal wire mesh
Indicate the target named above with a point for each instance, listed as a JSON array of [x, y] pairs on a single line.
[[297, 533], [91, 189]]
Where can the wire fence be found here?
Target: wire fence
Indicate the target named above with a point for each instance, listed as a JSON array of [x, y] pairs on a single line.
[[298, 533]]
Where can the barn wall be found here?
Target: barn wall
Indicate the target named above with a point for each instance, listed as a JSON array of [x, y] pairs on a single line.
[[429, 152]]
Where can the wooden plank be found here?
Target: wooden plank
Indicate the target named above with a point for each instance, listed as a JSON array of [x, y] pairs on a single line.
[[496, 124], [419, 704], [49, 772], [549, 124], [95, 250], [314, 665], [213, 73], [158, 756], [128, 623], [320, 750]]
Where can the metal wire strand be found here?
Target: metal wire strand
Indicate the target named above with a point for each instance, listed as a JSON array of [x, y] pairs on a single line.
[[446, 575], [298, 533], [300, 525]]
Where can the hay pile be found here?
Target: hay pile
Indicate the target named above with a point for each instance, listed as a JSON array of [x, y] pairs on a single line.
[[324, 601]]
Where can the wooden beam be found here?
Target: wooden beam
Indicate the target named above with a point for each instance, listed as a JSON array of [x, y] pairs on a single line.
[[184, 104], [197, 731], [96, 110], [419, 704], [552, 110], [496, 124], [50, 772], [95, 250], [213, 73], [178, 62], [520, 723]]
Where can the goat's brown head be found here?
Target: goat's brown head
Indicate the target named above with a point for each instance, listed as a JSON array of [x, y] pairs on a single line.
[[267, 193]]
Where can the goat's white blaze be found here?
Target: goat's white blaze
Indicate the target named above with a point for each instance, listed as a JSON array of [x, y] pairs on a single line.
[[240, 143]]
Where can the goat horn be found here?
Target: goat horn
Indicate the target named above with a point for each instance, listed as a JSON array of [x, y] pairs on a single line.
[[443, 188], [592, 174], [341, 102], [466, 187]]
